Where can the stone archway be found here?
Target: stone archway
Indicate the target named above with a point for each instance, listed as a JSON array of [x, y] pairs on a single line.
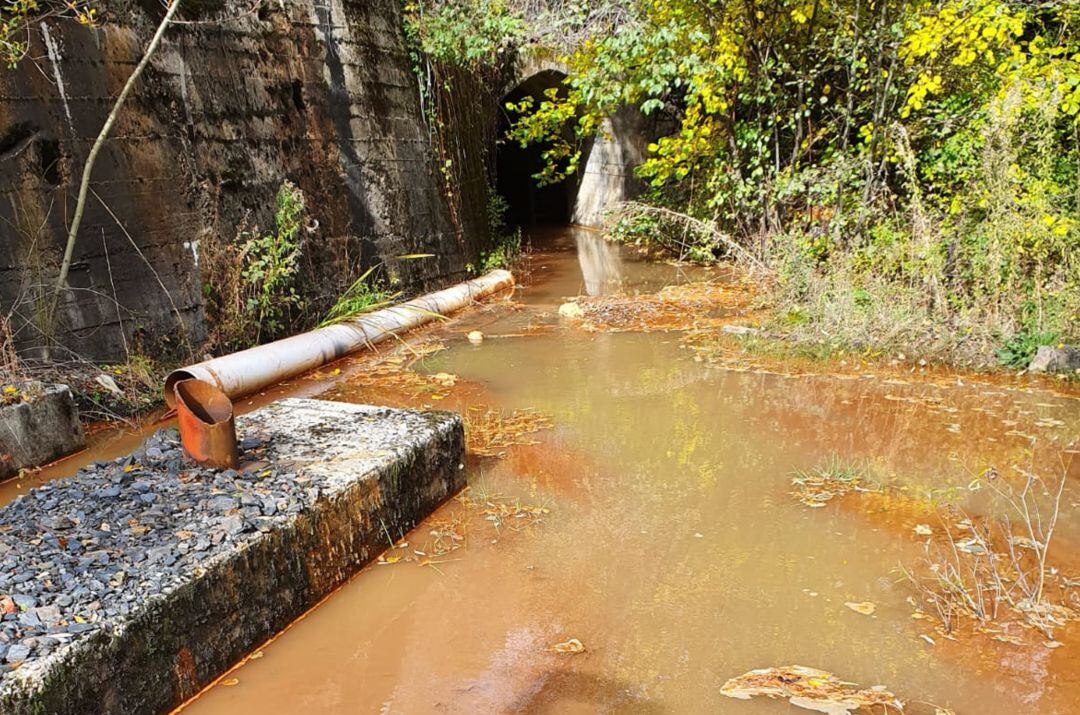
[[607, 175]]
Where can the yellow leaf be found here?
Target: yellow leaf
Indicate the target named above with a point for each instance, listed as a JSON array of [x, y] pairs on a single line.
[[572, 646], [864, 607], [230, 682]]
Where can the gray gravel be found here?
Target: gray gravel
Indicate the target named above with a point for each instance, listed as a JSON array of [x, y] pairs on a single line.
[[79, 553]]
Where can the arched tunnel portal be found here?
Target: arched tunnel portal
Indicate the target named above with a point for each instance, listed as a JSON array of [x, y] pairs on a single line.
[[530, 204]]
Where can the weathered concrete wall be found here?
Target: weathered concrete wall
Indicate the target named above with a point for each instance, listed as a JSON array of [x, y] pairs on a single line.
[[39, 430], [316, 91], [608, 178], [176, 573]]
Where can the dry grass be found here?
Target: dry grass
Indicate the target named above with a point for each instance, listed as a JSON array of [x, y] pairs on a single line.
[[485, 515], [993, 570], [10, 366], [394, 371]]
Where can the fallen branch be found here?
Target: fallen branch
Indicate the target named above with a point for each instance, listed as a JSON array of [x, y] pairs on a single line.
[[690, 223]]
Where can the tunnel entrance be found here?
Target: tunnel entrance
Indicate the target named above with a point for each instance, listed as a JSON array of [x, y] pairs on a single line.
[[530, 204]]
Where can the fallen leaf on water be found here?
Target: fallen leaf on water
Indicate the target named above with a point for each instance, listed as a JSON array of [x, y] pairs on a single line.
[[864, 607], [256, 655], [476, 337], [571, 646], [923, 530], [928, 639], [230, 682], [808, 688], [1012, 640], [1053, 644]]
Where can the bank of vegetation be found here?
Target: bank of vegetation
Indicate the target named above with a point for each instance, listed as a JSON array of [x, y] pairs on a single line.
[[906, 171]]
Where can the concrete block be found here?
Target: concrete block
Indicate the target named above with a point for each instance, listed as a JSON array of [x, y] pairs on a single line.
[[40, 429], [147, 577]]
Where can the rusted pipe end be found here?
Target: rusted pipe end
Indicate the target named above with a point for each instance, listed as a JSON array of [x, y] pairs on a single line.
[[174, 377], [207, 424]]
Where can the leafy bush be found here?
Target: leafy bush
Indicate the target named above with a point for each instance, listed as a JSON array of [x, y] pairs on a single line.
[[507, 242], [17, 17], [250, 284], [1018, 350], [271, 263]]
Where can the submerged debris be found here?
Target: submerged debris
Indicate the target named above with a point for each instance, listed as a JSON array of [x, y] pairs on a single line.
[[489, 433], [680, 307], [449, 534], [809, 688], [835, 478]]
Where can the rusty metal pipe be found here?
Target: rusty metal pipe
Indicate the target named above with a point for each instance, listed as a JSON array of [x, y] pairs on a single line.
[[251, 370], [207, 424]]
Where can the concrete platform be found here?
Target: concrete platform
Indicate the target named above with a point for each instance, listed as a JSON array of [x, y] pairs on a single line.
[[39, 429], [129, 587]]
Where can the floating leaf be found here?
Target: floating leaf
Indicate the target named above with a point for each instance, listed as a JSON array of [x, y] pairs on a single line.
[[923, 530], [229, 682], [572, 646], [864, 607], [808, 688]]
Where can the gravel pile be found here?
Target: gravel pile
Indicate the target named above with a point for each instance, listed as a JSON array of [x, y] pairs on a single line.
[[78, 554]]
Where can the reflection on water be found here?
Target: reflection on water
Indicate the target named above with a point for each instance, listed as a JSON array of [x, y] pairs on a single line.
[[673, 550], [601, 263]]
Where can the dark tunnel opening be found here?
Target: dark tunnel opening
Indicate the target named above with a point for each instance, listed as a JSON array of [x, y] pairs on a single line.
[[530, 204]]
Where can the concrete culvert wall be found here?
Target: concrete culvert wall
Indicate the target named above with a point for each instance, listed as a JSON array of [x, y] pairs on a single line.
[[319, 92]]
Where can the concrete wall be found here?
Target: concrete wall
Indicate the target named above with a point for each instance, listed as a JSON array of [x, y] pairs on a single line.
[[608, 178], [316, 91]]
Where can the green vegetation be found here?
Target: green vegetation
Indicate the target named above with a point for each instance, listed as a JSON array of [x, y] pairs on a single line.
[[250, 284], [271, 263], [364, 295], [907, 170], [507, 242], [17, 17]]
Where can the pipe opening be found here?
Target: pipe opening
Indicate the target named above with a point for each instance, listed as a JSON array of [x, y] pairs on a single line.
[[207, 428], [176, 376], [206, 402]]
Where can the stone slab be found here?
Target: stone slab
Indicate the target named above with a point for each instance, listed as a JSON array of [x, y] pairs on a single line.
[[40, 429], [132, 585], [1061, 359]]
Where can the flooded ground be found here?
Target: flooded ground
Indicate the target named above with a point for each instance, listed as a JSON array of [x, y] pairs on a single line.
[[654, 523]]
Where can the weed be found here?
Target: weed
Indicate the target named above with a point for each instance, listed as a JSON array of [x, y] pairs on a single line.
[[1016, 353], [508, 243], [996, 564], [363, 296], [833, 478], [249, 284]]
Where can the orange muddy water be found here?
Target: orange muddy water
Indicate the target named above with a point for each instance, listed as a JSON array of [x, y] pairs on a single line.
[[654, 523]]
